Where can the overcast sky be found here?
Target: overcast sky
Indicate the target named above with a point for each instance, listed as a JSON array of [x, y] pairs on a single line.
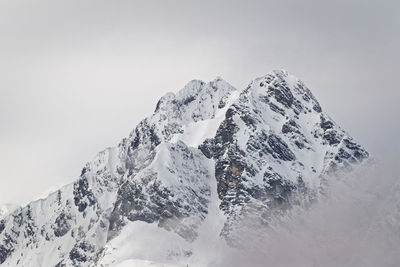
[[77, 76]]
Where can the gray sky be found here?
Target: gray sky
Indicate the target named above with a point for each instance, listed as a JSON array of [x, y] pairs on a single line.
[[77, 76]]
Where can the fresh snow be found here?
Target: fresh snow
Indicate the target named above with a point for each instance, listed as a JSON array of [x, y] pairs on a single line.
[[195, 133], [145, 242]]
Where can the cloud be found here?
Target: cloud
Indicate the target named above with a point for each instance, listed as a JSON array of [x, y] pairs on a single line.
[[358, 225]]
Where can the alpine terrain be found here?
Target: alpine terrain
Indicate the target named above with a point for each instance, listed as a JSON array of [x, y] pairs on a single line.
[[209, 163]]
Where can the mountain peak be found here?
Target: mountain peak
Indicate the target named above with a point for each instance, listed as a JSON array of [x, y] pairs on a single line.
[[195, 87], [283, 90], [191, 89]]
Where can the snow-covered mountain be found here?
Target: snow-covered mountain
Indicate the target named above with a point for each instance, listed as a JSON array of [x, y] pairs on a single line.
[[179, 187]]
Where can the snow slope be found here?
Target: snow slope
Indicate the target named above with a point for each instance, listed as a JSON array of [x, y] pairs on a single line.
[[5, 209]]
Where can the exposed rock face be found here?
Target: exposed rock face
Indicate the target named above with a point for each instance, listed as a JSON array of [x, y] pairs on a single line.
[[265, 149], [175, 186], [255, 148]]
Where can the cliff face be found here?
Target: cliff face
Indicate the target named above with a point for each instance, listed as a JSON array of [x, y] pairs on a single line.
[[209, 155], [274, 149]]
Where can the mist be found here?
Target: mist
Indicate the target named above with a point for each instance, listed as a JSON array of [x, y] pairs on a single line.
[[357, 224]]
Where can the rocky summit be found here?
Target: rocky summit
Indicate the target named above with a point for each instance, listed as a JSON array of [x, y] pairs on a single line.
[[208, 158]]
